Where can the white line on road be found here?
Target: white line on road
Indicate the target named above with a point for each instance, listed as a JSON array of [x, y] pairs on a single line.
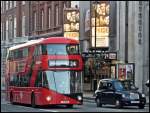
[[48, 110]]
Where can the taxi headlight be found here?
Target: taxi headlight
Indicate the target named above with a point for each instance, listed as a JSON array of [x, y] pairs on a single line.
[[123, 96], [143, 95], [79, 98]]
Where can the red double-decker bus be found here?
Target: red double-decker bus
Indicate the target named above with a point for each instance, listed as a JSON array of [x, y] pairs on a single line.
[[45, 72]]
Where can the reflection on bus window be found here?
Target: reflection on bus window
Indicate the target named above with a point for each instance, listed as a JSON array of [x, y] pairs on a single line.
[[64, 82], [60, 49]]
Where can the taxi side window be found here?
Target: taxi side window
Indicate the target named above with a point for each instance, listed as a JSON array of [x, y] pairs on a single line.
[[110, 86], [103, 85]]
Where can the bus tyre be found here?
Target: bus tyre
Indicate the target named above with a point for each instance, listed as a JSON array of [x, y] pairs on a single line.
[[11, 98], [69, 106], [33, 101]]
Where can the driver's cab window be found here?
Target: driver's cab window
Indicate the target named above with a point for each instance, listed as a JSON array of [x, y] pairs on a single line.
[[103, 85], [41, 80], [38, 82], [45, 81], [110, 86]]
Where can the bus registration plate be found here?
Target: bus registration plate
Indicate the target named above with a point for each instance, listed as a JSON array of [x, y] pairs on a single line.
[[65, 101]]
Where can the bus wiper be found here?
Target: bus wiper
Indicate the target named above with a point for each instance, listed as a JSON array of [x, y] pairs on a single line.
[[63, 65]]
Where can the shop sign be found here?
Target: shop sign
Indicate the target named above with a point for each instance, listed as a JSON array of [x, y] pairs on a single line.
[[111, 56], [71, 23], [100, 16]]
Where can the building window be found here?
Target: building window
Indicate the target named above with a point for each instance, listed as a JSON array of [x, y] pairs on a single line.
[[15, 26], [56, 15], [65, 6], [23, 2], [1, 31], [14, 3], [2, 6], [49, 17], [10, 4], [34, 21], [6, 5], [10, 29], [7, 29], [23, 25], [42, 19]]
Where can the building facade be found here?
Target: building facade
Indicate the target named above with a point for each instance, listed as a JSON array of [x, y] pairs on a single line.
[[129, 27], [130, 37], [133, 38]]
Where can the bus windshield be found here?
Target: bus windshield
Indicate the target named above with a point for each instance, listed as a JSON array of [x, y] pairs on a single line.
[[60, 49], [65, 82]]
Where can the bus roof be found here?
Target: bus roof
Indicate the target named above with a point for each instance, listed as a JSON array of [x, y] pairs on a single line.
[[51, 40]]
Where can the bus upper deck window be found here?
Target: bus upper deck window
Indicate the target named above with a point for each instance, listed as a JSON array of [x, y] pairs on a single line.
[[44, 50]]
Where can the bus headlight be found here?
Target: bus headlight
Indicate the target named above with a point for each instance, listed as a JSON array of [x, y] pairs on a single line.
[[48, 98], [79, 98]]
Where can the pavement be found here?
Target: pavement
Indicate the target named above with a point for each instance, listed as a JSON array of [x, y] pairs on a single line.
[[89, 97]]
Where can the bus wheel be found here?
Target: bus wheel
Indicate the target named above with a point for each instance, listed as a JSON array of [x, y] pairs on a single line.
[[33, 101], [69, 106], [11, 98]]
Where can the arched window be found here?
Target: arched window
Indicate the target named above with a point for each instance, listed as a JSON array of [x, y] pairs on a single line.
[[42, 19], [23, 24], [15, 25], [49, 17]]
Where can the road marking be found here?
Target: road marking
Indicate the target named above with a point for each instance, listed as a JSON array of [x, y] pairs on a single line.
[[48, 110]]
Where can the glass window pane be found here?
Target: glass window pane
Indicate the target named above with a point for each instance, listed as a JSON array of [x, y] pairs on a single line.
[[60, 49], [25, 52], [65, 82], [15, 26], [49, 17], [14, 3]]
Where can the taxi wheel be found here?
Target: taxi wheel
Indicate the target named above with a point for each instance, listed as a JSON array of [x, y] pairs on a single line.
[[118, 104], [141, 106], [98, 103]]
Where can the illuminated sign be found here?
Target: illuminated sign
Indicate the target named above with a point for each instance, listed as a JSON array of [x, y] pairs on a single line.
[[71, 23], [100, 16], [73, 35], [87, 21]]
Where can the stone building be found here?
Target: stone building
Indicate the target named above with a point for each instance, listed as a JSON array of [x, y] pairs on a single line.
[[130, 37], [129, 28]]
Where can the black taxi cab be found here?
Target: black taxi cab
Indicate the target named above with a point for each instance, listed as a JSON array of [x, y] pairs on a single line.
[[113, 91]]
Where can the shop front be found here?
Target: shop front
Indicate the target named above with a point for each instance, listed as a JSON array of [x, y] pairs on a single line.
[[98, 66]]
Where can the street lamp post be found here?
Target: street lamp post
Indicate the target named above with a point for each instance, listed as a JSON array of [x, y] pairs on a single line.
[[95, 81], [95, 35]]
